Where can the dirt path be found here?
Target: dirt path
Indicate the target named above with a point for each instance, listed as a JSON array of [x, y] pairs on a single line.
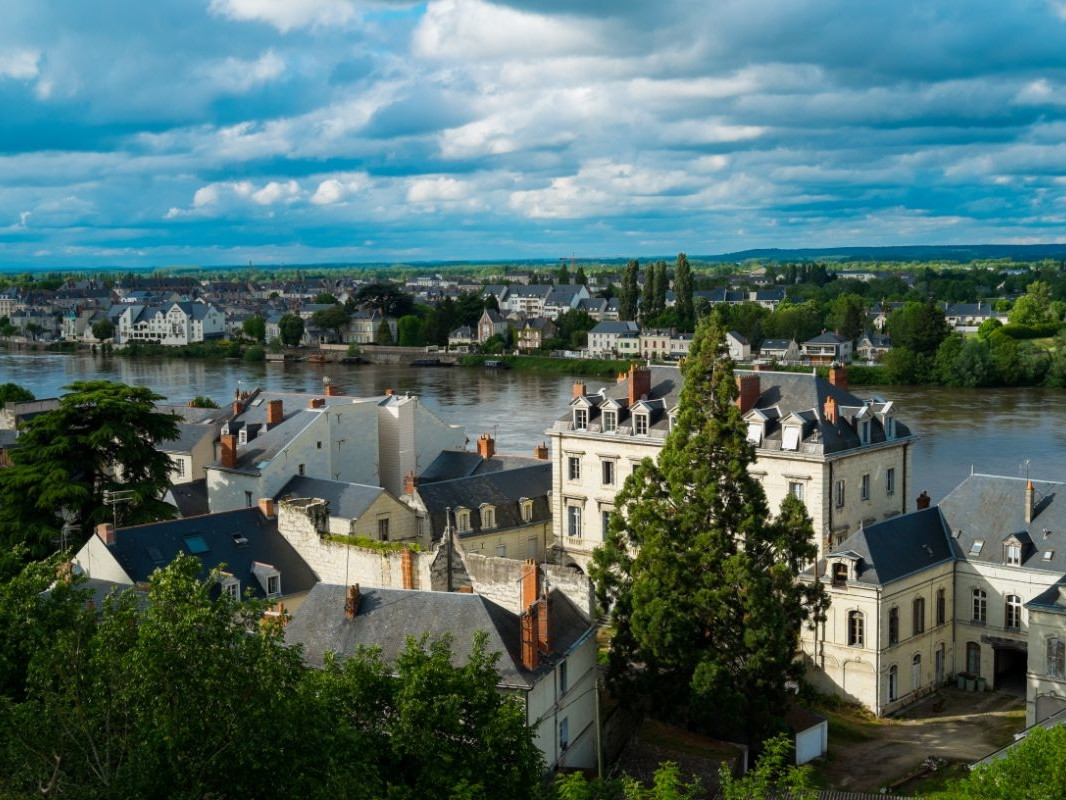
[[869, 754]]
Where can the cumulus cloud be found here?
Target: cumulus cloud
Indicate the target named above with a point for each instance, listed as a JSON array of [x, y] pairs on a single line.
[[287, 15], [236, 76], [339, 189], [21, 65]]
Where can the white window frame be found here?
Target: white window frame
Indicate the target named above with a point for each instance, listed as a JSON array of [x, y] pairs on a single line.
[[795, 488], [488, 517], [1013, 555], [609, 419], [607, 472], [573, 521], [640, 424], [1012, 612], [790, 437], [462, 520], [581, 419], [979, 606]]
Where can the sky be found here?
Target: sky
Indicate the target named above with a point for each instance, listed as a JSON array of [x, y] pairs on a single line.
[[220, 132]]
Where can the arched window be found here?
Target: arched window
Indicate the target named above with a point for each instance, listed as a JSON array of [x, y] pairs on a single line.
[[893, 683], [855, 628], [941, 607], [1014, 611], [1056, 658], [893, 626], [973, 658], [916, 672]]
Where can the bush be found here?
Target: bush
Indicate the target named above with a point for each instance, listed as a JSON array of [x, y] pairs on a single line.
[[1018, 331], [255, 353]]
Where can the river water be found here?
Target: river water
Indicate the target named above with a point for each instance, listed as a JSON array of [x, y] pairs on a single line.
[[989, 430]]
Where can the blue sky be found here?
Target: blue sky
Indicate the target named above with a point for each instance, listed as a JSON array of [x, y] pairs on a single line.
[[179, 132]]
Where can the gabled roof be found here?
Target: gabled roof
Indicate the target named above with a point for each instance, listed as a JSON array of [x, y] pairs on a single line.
[[388, 617], [826, 337], [346, 500], [896, 548], [616, 327], [142, 549]]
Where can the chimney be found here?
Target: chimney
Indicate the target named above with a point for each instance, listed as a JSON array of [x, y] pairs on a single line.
[[622, 377], [486, 446], [838, 376], [1030, 496], [530, 583], [229, 451], [106, 532], [407, 568], [316, 402], [528, 621], [922, 501], [333, 391], [238, 407], [639, 384], [748, 392], [410, 482], [275, 413], [541, 451], [544, 644], [389, 392], [352, 601], [830, 411], [266, 505], [579, 389]]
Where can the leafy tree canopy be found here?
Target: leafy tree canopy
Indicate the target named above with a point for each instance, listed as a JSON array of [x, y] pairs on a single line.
[[388, 297], [255, 328], [14, 393], [291, 328]]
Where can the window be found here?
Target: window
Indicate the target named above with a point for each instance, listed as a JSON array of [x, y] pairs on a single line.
[[975, 548], [273, 585], [890, 481], [1014, 611], [973, 658], [919, 615], [1056, 658], [795, 488], [865, 487], [941, 607], [890, 428], [564, 683], [318, 445], [196, 544], [527, 511], [916, 671], [1014, 554], [300, 469], [610, 421], [840, 574], [488, 517], [501, 551], [462, 520], [564, 734], [866, 431], [755, 433], [980, 605], [608, 473], [232, 587], [573, 521], [605, 523], [248, 499], [790, 438], [179, 467], [855, 628], [581, 419], [573, 468], [640, 424], [840, 494], [893, 683], [383, 529], [893, 626]]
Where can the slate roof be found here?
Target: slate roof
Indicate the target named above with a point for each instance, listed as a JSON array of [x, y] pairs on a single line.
[[388, 617], [895, 548], [346, 500], [826, 337], [776, 344], [503, 490], [142, 549], [991, 508], [189, 435], [452, 464], [618, 327], [190, 498]]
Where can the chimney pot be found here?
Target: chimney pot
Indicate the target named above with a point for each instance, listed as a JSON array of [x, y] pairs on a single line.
[[229, 451], [333, 391], [639, 384], [316, 402], [106, 532], [389, 392], [1030, 504], [352, 601], [838, 376], [530, 583], [541, 451], [830, 411], [266, 505], [923, 500], [275, 413], [748, 391], [579, 389], [486, 446]]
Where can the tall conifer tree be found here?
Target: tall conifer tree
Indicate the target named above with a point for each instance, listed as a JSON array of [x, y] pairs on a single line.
[[700, 580], [683, 290], [627, 300]]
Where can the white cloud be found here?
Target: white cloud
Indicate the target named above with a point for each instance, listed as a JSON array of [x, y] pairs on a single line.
[[21, 65], [339, 188], [287, 15], [277, 192], [236, 76], [432, 190]]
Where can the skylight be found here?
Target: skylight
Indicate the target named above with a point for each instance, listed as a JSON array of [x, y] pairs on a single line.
[[975, 548], [1048, 555], [196, 544]]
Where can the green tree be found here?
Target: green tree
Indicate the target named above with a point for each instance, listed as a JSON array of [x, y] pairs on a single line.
[[13, 393], [648, 308], [384, 334], [683, 291], [627, 298], [563, 275], [1033, 307], [699, 579], [333, 318], [409, 331], [254, 353], [580, 278], [667, 784], [255, 328], [662, 286], [201, 401], [326, 299], [291, 328], [101, 437], [985, 329], [775, 775], [918, 327], [103, 330], [847, 315], [388, 298]]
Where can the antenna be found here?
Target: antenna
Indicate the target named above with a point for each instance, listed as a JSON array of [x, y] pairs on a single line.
[[115, 497], [1025, 466]]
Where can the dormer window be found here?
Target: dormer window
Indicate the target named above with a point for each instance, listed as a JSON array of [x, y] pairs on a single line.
[[890, 428], [610, 421], [269, 578], [462, 520], [840, 574], [1013, 554], [640, 424], [231, 586], [488, 516], [865, 431], [755, 433], [527, 510], [790, 437], [581, 419]]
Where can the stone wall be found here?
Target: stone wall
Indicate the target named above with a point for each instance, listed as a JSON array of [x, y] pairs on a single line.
[[499, 580]]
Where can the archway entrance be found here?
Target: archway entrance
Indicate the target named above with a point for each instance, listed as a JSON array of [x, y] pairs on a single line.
[[1011, 661]]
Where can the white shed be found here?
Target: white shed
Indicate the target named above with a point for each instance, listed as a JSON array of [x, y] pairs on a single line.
[[811, 732]]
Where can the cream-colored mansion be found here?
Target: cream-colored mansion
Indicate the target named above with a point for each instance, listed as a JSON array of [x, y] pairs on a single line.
[[847, 459]]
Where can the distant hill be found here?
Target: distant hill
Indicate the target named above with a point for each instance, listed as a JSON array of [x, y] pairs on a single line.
[[961, 252]]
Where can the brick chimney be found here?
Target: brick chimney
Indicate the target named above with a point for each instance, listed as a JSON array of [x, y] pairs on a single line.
[[407, 568], [316, 402], [229, 451], [389, 392], [541, 451], [830, 411], [238, 407], [106, 532], [266, 505], [352, 601], [410, 482], [333, 391], [639, 384], [275, 413], [544, 642], [579, 389], [530, 583], [1030, 504], [528, 621], [922, 501], [838, 376], [486, 446], [748, 392]]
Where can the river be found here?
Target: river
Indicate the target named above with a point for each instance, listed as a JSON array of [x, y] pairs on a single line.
[[991, 430]]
